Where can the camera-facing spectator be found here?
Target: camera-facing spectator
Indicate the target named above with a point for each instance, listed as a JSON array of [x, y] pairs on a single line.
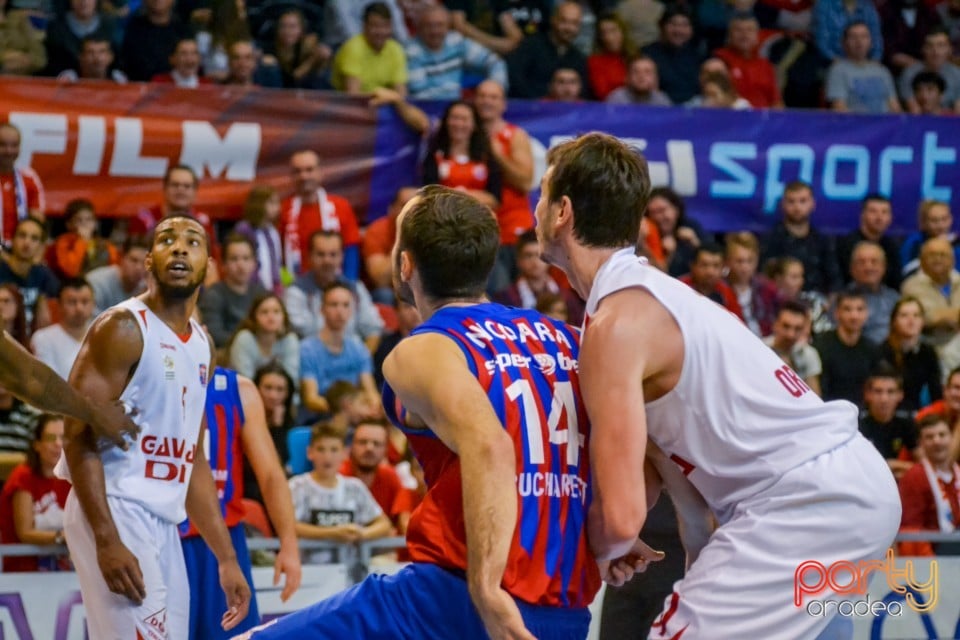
[[66, 33], [752, 75], [937, 287], [438, 59], [535, 281], [20, 188], [150, 38], [12, 313], [276, 389], [890, 430], [300, 55], [224, 305], [512, 21], [80, 249], [756, 295], [832, 17], [566, 85], [706, 277], [94, 63], [928, 89], [677, 54], [607, 66], [934, 220], [368, 462], [21, 267], [57, 346], [227, 24], [115, 283], [329, 505], [876, 216], [247, 68], [905, 25], [846, 354], [788, 341], [33, 498], [867, 266], [915, 361], [937, 58], [265, 336], [857, 84], [533, 63], [344, 19], [718, 92], [642, 85], [680, 235], [184, 66], [372, 58], [930, 490]]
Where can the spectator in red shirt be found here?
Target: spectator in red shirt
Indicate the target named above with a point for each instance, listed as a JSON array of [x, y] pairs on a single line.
[[607, 66], [930, 490], [31, 505], [367, 461], [310, 209], [754, 77], [706, 277], [21, 192], [185, 66]]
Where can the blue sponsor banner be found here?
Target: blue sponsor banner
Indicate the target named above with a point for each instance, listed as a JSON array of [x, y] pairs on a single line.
[[731, 166]]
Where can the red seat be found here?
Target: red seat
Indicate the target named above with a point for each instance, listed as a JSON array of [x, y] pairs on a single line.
[[256, 517]]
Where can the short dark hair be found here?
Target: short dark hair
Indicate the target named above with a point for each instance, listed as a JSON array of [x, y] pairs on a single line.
[[324, 233], [175, 216], [181, 167], [849, 294], [793, 306], [932, 420], [377, 9], [237, 238], [884, 371], [323, 430], [74, 283], [75, 206], [453, 239], [855, 23], [927, 78], [797, 185], [608, 184], [95, 38], [673, 10], [675, 200], [873, 197], [526, 238], [711, 248], [135, 241], [333, 286]]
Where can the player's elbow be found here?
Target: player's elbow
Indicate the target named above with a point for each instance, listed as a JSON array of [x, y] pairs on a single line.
[[614, 530]]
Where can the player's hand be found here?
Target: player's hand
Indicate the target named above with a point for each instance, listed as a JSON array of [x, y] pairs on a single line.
[[121, 571], [501, 616], [237, 594], [287, 563], [113, 422], [618, 572]]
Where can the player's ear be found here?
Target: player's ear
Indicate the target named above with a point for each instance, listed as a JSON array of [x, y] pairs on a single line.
[[406, 266], [564, 215]]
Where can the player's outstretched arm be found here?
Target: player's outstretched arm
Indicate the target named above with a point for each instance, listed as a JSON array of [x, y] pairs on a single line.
[[613, 365], [36, 384], [258, 448], [203, 509], [431, 378], [102, 369]]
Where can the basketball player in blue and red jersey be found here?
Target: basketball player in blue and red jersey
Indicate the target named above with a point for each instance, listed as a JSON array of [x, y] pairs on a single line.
[[237, 428], [121, 516], [489, 399]]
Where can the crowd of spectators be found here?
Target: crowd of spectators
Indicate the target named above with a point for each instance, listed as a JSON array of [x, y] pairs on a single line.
[[301, 300], [846, 55]]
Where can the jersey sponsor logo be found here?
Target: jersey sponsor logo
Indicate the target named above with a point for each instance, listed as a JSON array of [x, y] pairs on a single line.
[[167, 458], [154, 626], [482, 334], [543, 361], [845, 578], [169, 368], [168, 347]]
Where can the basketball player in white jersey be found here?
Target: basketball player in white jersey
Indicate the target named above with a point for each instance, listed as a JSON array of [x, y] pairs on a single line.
[[121, 517], [787, 476]]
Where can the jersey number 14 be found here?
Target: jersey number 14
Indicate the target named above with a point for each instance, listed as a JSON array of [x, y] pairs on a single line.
[[563, 399]]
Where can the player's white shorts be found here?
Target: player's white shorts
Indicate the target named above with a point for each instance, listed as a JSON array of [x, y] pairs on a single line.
[[165, 612], [841, 506]]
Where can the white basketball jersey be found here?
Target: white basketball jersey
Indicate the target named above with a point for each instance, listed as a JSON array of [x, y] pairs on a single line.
[[738, 417], [169, 389]]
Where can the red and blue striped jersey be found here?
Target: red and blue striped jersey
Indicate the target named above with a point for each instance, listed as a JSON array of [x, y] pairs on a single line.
[[527, 363], [224, 413]]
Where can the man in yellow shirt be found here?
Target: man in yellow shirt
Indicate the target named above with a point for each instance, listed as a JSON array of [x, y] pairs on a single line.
[[371, 59]]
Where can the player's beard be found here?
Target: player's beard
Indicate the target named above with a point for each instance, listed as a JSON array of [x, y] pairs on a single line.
[[175, 292]]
